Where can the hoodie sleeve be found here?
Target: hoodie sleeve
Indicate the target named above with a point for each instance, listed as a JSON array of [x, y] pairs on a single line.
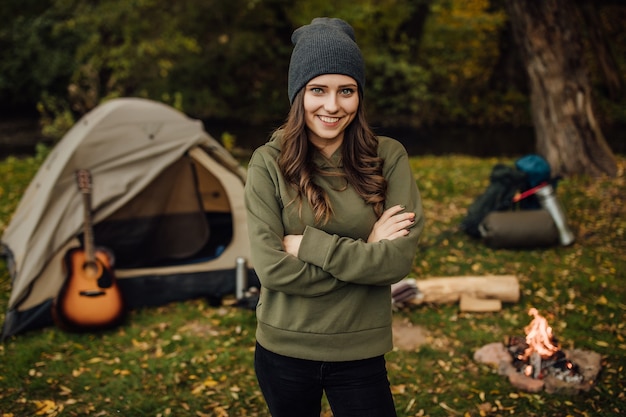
[[380, 263], [276, 269]]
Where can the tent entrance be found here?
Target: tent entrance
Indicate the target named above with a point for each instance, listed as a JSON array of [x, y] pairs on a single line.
[[182, 217]]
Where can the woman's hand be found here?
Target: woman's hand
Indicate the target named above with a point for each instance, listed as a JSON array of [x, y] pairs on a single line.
[[291, 243], [391, 225]]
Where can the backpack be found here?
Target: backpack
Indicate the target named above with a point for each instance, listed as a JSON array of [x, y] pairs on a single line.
[[504, 182]]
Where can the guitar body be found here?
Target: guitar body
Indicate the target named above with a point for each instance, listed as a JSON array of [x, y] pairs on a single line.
[[89, 298]]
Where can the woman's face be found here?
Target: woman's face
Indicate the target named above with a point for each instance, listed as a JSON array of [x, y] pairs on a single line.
[[330, 105]]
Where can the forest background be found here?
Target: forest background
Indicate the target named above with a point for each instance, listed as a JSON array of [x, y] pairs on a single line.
[[428, 62]]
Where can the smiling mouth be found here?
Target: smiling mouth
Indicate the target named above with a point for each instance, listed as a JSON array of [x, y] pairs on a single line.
[[327, 119]]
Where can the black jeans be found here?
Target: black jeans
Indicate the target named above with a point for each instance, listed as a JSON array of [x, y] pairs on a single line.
[[293, 387]]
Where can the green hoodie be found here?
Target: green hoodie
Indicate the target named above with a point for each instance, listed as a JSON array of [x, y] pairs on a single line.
[[333, 301]]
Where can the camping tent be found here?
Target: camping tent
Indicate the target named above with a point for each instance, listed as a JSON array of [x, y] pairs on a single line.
[[166, 200]]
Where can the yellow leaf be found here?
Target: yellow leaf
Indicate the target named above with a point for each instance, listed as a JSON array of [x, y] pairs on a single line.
[[398, 389], [210, 382], [448, 408], [220, 412], [140, 345], [122, 372], [197, 389], [602, 343], [45, 407], [65, 390], [602, 300]]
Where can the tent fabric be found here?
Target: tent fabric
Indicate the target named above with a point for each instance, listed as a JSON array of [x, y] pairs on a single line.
[[161, 185]]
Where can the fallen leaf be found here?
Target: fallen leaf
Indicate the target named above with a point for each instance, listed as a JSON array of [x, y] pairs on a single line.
[[210, 382], [447, 408], [47, 407], [122, 372], [65, 390], [398, 389]]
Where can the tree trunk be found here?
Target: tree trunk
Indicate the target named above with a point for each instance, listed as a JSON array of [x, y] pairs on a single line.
[[567, 132]]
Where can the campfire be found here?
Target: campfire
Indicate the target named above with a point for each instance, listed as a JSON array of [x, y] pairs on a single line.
[[536, 361], [539, 353]]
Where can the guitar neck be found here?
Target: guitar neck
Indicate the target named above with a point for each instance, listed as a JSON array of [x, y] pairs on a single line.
[[90, 251], [83, 180]]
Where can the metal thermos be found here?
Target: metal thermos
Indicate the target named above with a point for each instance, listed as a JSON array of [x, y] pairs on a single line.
[[241, 277], [549, 201]]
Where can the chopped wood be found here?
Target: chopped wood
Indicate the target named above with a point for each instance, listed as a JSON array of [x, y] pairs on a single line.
[[449, 289], [469, 303]]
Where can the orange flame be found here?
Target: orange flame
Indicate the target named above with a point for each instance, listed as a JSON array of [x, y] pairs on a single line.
[[539, 336]]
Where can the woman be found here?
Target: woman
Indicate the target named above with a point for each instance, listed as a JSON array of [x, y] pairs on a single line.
[[334, 217]]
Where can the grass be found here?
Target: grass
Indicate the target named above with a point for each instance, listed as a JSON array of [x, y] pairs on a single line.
[[193, 359]]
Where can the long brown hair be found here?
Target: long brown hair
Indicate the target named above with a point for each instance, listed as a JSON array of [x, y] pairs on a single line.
[[359, 151]]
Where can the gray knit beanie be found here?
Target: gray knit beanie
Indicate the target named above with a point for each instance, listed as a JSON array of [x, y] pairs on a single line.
[[326, 46]]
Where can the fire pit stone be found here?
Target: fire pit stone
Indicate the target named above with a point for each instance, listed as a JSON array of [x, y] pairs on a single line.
[[522, 381], [493, 354]]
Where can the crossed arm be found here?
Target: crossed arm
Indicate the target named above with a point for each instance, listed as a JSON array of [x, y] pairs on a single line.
[[391, 225]]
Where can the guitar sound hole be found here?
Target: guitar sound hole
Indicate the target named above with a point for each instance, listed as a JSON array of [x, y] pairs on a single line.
[[91, 267]]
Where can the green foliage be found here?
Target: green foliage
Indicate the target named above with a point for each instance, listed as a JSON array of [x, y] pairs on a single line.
[[428, 62], [55, 116], [229, 141], [33, 59], [128, 49], [400, 93], [17, 174], [190, 358], [459, 49]]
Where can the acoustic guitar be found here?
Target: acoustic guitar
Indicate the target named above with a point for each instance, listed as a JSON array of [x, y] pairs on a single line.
[[89, 298]]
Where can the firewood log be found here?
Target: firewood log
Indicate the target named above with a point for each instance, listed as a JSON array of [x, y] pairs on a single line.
[[449, 289], [471, 304]]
